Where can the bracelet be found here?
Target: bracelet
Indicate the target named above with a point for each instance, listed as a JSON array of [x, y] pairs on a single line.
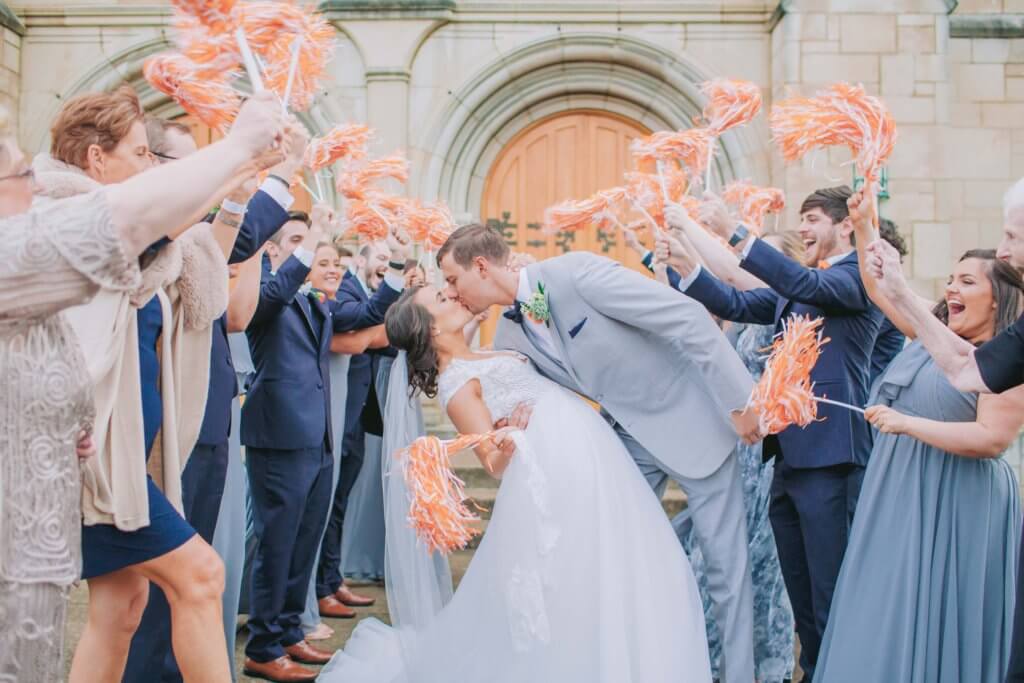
[[738, 236], [396, 266], [231, 222], [233, 207]]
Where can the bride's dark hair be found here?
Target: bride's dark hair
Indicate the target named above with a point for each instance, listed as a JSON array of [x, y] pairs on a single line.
[[408, 326]]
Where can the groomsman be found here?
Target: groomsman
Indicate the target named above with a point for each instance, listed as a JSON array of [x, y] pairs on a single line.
[[288, 437], [368, 271], [150, 657], [818, 468]]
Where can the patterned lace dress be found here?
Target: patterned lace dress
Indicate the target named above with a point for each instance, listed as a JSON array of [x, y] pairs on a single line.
[[51, 258]]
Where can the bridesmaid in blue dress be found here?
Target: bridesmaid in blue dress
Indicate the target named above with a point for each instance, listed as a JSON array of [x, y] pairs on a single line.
[[773, 615], [926, 590]]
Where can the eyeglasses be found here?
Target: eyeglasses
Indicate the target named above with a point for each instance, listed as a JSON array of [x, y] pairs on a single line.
[[163, 157]]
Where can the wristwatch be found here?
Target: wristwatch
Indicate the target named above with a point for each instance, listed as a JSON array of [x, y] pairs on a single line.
[[396, 265], [738, 236]]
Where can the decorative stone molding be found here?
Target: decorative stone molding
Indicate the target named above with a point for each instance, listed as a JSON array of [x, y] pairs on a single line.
[[986, 26], [9, 19], [610, 72], [386, 9]]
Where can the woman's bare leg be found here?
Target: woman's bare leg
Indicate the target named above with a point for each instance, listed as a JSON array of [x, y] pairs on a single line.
[[116, 602]]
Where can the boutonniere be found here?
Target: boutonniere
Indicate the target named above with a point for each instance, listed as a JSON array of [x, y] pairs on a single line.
[[314, 294], [536, 309], [824, 265]]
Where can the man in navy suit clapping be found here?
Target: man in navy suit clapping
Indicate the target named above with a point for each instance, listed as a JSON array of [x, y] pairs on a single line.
[[287, 433], [818, 469]]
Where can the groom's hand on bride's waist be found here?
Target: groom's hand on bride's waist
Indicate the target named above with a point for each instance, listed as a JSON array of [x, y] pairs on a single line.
[[519, 419]]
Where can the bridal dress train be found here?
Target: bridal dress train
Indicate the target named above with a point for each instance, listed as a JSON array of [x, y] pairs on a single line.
[[579, 578]]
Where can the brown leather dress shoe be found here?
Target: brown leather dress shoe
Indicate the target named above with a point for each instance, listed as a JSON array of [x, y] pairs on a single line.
[[330, 607], [280, 670], [307, 654], [347, 597]]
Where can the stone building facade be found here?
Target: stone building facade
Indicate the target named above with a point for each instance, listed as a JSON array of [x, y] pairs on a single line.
[[457, 83]]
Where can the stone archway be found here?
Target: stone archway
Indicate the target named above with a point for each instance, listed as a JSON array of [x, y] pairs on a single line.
[[618, 74]]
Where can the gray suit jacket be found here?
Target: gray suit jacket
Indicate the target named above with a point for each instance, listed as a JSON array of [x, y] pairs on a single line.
[[652, 357]]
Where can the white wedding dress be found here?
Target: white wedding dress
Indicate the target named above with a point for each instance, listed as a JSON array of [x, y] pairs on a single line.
[[579, 578]]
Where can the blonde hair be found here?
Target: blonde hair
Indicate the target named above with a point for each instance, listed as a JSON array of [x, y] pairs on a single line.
[[792, 244], [102, 119]]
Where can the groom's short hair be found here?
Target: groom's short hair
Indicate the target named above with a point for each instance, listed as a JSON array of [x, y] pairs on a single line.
[[471, 241]]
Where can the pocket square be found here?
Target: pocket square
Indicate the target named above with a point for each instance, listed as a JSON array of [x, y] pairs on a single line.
[[576, 330]]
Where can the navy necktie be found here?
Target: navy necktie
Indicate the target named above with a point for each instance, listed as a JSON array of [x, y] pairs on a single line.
[[515, 314]]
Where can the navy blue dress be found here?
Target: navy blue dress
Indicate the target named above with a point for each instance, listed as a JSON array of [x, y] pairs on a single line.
[[105, 548]]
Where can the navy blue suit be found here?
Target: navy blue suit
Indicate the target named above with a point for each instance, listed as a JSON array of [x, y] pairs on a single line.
[[363, 311], [818, 469], [286, 429], [150, 657]]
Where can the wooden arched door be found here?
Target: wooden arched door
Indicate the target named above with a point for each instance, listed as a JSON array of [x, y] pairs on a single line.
[[566, 156]]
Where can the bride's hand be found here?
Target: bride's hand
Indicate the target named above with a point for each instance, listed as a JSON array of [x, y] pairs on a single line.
[[519, 419], [504, 442]]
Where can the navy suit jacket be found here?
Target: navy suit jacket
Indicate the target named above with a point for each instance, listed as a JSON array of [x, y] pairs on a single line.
[[288, 404], [851, 322], [264, 217], [353, 300]]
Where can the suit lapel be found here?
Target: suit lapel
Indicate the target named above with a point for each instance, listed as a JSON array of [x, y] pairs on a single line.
[[303, 302], [533, 275]]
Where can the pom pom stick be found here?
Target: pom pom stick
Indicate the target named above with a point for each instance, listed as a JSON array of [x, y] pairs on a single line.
[[731, 103], [688, 147], [437, 509], [841, 114], [753, 203], [249, 60], [208, 97], [784, 396], [296, 46], [342, 143], [575, 215]]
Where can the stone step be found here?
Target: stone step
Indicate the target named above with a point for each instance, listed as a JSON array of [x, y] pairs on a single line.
[[482, 501]]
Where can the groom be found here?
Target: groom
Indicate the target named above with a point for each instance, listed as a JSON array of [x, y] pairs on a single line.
[[666, 377]]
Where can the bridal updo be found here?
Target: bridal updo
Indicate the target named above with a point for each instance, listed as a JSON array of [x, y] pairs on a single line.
[[408, 325]]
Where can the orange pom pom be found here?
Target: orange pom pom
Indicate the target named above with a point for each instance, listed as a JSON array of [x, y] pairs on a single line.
[[216, 15], [357, 183], [344, 142], [437, 511], [730, 103], [841, 114], [753, 203], [785, 396], [366, 220], [208, 97], [315, 49], [429, 224], [689, 147]]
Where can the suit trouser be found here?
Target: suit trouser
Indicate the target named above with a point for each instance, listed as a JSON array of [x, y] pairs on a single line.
[[328, 572], [150, 657], [290, 492], [719, 519], [1015, 673], [810, 516]]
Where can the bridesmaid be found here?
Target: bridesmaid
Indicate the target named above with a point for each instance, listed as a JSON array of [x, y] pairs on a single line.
[[927, 587]]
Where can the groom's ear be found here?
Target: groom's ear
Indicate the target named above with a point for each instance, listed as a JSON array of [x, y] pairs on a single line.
[[481, 265]]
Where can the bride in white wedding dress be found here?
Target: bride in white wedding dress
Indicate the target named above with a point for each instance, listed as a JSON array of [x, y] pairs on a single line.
[[579, 578]]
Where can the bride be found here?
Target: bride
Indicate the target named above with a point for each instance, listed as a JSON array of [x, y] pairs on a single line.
[[579, 577]]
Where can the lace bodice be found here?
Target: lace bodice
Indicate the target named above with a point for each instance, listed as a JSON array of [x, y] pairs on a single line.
[[507, 380]]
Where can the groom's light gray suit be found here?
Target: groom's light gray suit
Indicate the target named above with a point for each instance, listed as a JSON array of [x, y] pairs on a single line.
[[668, 379]]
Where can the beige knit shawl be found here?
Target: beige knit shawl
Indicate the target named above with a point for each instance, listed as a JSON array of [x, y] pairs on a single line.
[[189, 276]]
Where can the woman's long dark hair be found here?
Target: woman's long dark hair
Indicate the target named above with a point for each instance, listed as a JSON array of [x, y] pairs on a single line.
[[408, 326], [1007, 289]]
